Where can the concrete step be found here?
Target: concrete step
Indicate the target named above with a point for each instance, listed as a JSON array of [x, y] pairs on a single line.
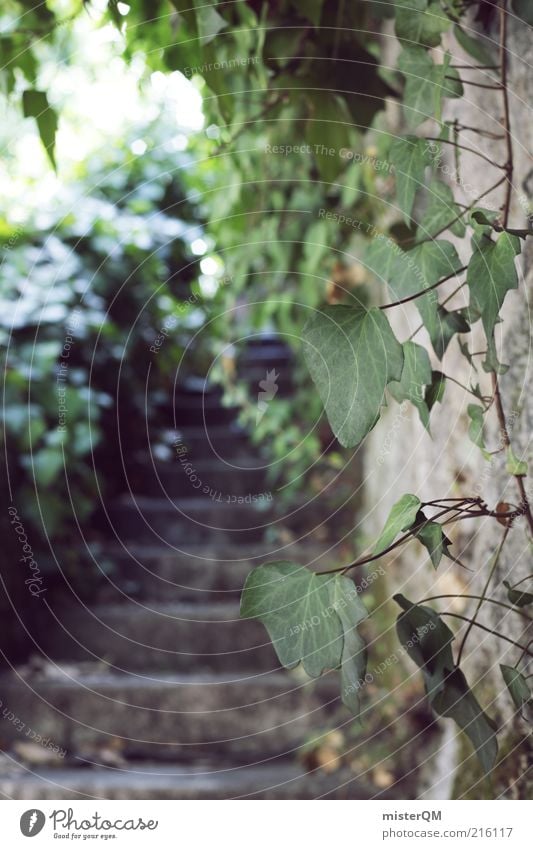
[[225, 440], [143, 780], [199, 409], [221, 518], [190, 477], [133, 636], [199, 573], [218, 518], [240, 718]]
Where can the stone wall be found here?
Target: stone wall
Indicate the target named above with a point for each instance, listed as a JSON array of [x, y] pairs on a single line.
[[401, 457]]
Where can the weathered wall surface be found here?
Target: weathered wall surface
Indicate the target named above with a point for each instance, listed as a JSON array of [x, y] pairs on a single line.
[[402, 458]]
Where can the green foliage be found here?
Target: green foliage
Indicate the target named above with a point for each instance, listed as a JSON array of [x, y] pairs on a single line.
[[473, 46], [401, 517], [517, 685], [433, 538], [35, 105], [416, 375], [278, 208], [428, 642], [311, 619], [425, 85], [410, 157], [352, 355], [441, 212], [491, 275], [518, 598], [420, 22], [475, 428]]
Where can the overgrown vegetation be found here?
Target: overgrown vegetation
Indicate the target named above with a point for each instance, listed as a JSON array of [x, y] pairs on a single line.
[[280, 84]]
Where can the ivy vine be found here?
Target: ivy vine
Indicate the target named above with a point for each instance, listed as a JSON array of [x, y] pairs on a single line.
[[355, 359]]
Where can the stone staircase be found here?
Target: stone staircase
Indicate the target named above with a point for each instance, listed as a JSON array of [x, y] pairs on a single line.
[[156, 689]]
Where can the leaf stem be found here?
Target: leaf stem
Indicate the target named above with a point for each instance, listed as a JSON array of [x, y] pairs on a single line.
[[468, 150], [496, 87], [490, 600], [525, 649], [457, 217], [481, 131], [506, 111], [483, 596], [424, 291], [524, 503]]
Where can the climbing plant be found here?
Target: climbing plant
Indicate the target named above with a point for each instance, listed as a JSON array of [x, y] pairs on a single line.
[[303, 82], [356, 361]]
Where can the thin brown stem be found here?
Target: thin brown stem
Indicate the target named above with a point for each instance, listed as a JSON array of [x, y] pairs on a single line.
[[525, 649], [457, 217], [524, 502], [370, 558], [477, 67], [472, 83], [468, 150], [480, 131], [506, 112], [478, 597], [424, 291], [483, 594]]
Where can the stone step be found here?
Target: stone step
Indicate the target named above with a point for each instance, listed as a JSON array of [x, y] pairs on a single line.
[[143, 780], [199, 573], [213, 518], [225, 440], [201, 409], [272, 355], [133, 636], [189, 477], [241, 718]]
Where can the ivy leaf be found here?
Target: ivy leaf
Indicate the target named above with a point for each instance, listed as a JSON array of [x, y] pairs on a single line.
[[427, 640], [491, 362], [420, 22], [416, 375], [475, 428], [524, 10], [292, 603], [432, 261], [447, 325], [463, 347], [422, 92], [347, 603], [491, 274], [35, 105], [328, 130], [456, 701], [440, 212], [473, 47], [518, 598], [484, 217], [409, 273], [433, 538], [311, 619], [401, 517], [352, 354], [435, 391], [409, 156], [513, 465], [516, 684]]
